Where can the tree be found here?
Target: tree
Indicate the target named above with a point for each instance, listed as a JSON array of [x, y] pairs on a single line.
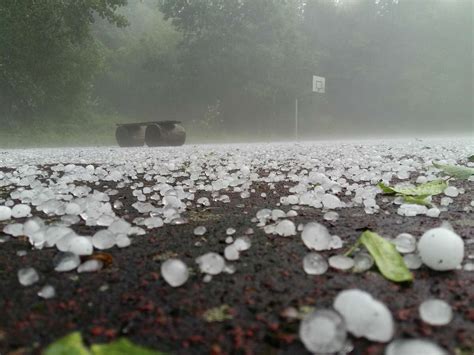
[[249, 55], [48, 57]]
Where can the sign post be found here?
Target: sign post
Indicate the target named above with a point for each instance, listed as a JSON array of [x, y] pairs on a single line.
[[319, 86], [296, 118]]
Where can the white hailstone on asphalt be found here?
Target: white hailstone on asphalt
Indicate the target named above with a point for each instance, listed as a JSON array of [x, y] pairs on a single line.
[[277, 214], [364, 315], [230, 231], [291, 213], [231, 253], [292, 199], [229, 240], [200, 230], [229, 269], [468, 267], [105, 220], [412, 261], [405, 243], [264, 214], [73, 208], [316, 236], [153, 222], [207, 278], [81, 245], [20, 211], [14, 229], [54, 234], [451, 191], [421, 179], [242, 243], [248, 231], [315, 264], [330, 201], [433, 212], [67, 261], [91, 265], [411, 210], [245, 194], [446, 201], [414, 347], [27, 276], [331, 216], [362, 262], [122, 241], [64, 243], [203, 201], [211, 263], [32, 225], [103, 239], [175, 272], [323, 331], [120, 226], [118, 204], [341, 262], [285, 228], [336, 242], [5, 213], [47, 292], [441, 249], [435, 312]]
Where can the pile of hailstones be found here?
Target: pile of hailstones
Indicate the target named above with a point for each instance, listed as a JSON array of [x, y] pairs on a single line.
[[322, 331], [354, 311]]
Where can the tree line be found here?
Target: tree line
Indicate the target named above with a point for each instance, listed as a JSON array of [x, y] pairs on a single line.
[[238, 64]]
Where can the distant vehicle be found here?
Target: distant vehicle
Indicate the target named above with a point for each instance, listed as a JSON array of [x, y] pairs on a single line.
[[154, 134]]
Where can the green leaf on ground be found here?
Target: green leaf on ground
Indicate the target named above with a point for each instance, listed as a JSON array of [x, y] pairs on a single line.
[[217, 314], [388, 260], [417, 200], [72, 344], [386, 189], [471, 159], [69, 345], [460, 172], [430, 188], [122, 346]]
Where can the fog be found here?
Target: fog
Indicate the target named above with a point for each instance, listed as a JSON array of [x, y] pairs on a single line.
[[232, 70]]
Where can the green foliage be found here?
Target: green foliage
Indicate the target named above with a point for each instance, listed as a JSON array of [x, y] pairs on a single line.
[[459, 172], [69, 345], [389, 262], [420, 191], [386, 63], [417, 200], [471, 158], [72, 344], [48, 58], [250, 52], [121, 347], [141, 64], [218, 314]]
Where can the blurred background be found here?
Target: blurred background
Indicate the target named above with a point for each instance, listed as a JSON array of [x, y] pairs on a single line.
[[232, 69]]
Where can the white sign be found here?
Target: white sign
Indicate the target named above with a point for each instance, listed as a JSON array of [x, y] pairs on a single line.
[[319, 84]]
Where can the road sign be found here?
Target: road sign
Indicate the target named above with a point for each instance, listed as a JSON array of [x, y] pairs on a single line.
[[319, 84]]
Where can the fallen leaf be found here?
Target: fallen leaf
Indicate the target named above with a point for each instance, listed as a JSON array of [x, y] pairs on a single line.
[[460, 172], [71, 344], [121, 346], [388, 260], [431, 188], [217, 314]]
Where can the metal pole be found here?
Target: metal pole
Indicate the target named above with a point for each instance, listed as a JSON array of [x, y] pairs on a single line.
[[296, 118]]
